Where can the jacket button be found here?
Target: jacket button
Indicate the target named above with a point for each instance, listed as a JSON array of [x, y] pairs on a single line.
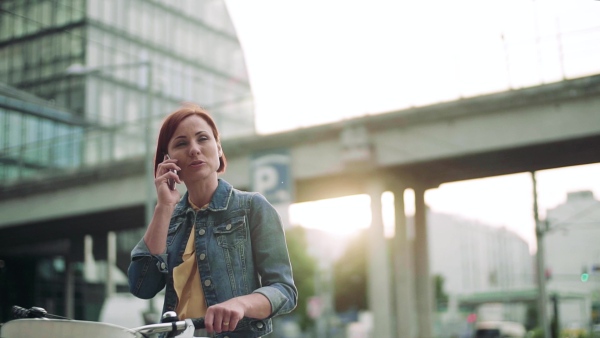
[[202, 256], [207, 282], [228, 227], [259, 325], [201, 232], [163, 265]]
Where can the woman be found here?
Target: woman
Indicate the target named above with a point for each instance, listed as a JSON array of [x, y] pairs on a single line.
[[220, 252]]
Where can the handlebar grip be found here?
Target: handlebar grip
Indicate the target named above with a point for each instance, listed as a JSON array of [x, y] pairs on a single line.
[[34, 312], [198, 323], [19, 312]]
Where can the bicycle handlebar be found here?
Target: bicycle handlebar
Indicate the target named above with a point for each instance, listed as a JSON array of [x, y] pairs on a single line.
[[170, 327], [198, 323], [179, 325], [34, 312]]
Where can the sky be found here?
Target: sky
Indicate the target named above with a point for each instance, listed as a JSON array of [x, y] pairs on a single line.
[[319, 61]]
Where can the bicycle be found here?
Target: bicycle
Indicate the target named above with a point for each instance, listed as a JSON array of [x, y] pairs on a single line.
[[36, 322]]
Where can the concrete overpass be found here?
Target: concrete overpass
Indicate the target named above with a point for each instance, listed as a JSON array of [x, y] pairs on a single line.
[[548, 126]]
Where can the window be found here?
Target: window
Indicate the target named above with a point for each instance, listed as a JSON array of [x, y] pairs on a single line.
[[46, 13], [77, 99], [95, 9], [62, 15], [106, 100], [3, 62], [7, 24], [31, 21], [4, 128], [144, 18], [77, 42]]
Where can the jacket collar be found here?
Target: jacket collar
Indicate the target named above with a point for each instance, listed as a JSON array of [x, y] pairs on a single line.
[[219, 200]]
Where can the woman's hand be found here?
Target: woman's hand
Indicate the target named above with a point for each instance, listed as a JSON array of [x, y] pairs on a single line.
[[167, 170], [225, 316], [156, 234]]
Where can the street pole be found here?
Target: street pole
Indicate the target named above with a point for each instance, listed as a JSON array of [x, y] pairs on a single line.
[[148, 160], [111, 261], [540, 265]]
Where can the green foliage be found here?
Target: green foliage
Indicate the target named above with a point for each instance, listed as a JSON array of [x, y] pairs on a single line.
[[351, 276], [536, 333], [567, 333], [573, 334], [531, 316], [304, 268], [440, 296]]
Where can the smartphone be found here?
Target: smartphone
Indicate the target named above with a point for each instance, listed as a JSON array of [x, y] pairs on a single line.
[[170, 181]]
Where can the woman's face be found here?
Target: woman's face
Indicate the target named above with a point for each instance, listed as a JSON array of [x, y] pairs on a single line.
[[196, 150]]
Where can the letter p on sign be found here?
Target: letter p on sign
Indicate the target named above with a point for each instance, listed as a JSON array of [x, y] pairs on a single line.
[[271, 176]]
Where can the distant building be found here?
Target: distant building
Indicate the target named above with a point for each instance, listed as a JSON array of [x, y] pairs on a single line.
[[573, 258], [474, 257]]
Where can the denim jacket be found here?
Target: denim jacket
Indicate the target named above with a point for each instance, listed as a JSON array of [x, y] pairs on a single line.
[[240, 249]]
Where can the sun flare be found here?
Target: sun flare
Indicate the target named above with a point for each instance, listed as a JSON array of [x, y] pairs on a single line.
[[344, 215]]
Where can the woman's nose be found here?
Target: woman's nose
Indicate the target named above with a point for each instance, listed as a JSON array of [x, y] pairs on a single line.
[[194, 149]]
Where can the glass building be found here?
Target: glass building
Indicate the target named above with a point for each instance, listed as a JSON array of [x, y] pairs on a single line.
[[113, 64]]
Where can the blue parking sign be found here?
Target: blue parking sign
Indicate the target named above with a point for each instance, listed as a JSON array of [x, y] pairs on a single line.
[[271, 176]]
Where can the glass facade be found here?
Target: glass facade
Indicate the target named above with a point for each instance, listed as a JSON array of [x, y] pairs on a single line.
[[113, 62], [36, 137], [38, 40]]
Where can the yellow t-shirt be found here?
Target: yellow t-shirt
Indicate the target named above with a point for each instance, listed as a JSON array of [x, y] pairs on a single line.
[[186, 281]]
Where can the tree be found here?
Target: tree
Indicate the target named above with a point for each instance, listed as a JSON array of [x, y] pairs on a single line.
[[440, 295], [304, 269], [351, 276]]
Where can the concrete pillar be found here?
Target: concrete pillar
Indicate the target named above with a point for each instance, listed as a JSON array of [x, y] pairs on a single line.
[[379, 281], [76, 254], [69, 288], [423, 281], [403, 285], [111, 263], [89, 266]]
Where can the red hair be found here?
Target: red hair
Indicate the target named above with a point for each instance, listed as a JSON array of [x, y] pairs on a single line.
[[171, 123]]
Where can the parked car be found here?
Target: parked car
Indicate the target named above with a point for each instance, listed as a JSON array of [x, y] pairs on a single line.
[[499, 329]]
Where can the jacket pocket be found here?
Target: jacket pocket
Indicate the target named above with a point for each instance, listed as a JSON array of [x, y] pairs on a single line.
[[173, 229], [232, 233]]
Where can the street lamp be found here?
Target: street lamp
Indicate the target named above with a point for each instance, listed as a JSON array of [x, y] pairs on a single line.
[[79, 69], [540, 264]]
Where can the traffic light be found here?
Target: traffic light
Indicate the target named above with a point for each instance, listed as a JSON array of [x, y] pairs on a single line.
[[585, 276]]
